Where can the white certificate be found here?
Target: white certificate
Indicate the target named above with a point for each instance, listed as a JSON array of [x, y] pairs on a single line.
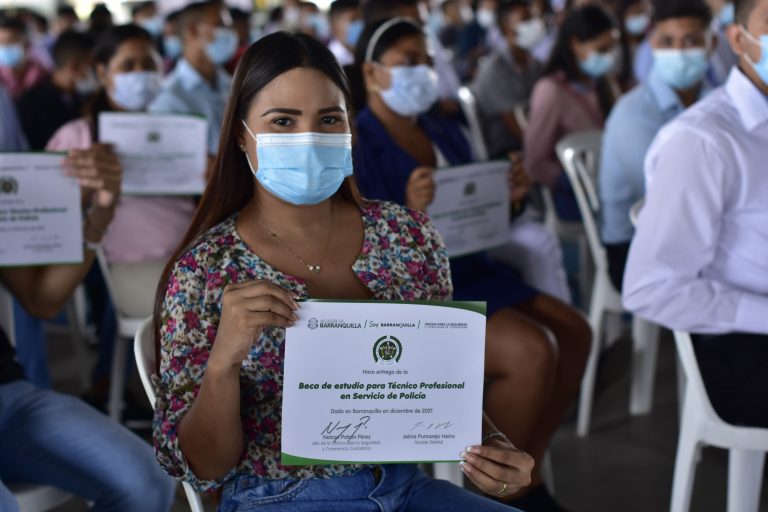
[[40, 217], [161, 154], [471, 207], [379, 382]]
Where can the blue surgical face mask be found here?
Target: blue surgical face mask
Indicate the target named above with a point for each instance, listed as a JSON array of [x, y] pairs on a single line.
[[153, 25], [413, 90], [320, 25], [11, 55], [637, 24], [681, 69], [598, 64], [135, 90], [354, 30], [761, 66], [727, 14], [302, 168], [223, 46], [172, 47]]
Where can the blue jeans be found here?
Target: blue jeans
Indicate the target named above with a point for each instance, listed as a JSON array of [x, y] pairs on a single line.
[[401, 487], [58, 440]]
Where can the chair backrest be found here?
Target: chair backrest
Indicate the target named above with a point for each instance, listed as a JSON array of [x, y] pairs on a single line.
[[6, 314], [579, 154], [469, 108], [693, 381], [131, 286], [521, 115], [144, 351]]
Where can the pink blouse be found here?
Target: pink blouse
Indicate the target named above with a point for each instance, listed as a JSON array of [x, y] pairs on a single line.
[[144, 228], [33, 73], [558, 108]]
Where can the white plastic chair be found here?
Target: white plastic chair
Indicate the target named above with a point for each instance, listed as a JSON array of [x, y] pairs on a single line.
[[578, 154], [144, 352], [477, 139], [700, 426], [30, 497], [133, 296]]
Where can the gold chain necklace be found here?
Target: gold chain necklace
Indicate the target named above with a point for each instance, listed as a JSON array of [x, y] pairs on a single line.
[[312, 268]]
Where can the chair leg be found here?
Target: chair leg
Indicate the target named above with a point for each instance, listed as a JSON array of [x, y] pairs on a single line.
[[681, 383], [117, 378], [590, 373], [195, 502], [548, 472], [645, 340], [685, 462], [745, 478]]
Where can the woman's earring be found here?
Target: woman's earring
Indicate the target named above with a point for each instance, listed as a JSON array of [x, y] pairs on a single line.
[[242, 148]]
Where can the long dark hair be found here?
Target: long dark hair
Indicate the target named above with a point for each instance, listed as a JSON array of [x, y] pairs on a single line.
[[583, 24], [106, 47], [626, 73], [231, 184]]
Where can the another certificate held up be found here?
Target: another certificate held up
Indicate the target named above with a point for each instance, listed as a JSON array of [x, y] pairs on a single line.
[[161, 154], [378, 382], [40, 218], [471, 207]]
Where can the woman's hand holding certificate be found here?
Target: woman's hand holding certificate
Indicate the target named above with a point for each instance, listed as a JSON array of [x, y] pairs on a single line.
[[246, 309]]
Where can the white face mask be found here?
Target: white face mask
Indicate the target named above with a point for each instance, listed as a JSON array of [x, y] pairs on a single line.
[[413, 90], [530, 33], [135, 90], [87, 85], [486, 18]]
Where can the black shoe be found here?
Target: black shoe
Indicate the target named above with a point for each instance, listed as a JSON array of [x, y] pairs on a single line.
[[537, 499]]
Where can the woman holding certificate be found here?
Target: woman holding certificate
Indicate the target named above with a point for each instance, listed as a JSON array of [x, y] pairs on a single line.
[[145, 229], [127, 65], [281, 220], [537, 346]]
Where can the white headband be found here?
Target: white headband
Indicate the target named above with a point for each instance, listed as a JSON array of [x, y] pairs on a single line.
[[381, 31]]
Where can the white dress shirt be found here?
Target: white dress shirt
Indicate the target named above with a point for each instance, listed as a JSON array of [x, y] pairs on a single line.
[[699, 259]]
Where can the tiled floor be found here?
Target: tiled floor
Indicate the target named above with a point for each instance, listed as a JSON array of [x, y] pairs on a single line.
[[626, 463]]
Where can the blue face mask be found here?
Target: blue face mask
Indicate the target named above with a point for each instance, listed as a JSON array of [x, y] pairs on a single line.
[[598, 64], [172, 47], [223, 46], [354, 31], [681, 69], [727, 14], [11, 55], [413, 90], [153, 25], [136, 89], [637, 24], [760, 67], [302, 168]]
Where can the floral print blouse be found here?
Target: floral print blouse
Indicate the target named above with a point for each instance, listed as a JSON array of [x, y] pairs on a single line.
[[402, 258]]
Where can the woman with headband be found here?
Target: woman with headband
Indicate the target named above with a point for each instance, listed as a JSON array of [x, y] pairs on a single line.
[[536, 346], [262, 238]]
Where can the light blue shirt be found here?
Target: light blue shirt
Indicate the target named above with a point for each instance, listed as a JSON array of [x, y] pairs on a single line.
[[634, 122], [185, 91], [699, 260], [11, 135]]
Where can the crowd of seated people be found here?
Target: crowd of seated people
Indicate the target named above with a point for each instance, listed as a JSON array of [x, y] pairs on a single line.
[[678, 89]]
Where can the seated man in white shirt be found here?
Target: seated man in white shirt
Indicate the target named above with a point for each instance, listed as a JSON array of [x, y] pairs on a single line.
[[699, 259]]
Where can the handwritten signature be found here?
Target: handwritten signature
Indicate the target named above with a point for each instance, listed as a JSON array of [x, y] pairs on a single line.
[[341, 428], [424, 426]]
